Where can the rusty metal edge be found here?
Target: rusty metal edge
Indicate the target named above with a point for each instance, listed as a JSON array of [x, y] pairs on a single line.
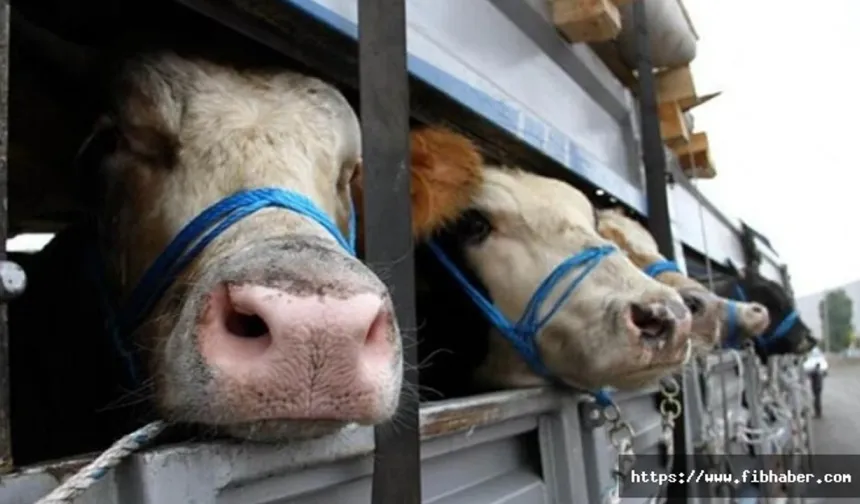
[[449, 417], [437, 419]]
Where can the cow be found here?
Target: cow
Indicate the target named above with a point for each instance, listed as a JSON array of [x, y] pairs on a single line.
[[267, 330], [493, 239], [715, 319], [786, 333]]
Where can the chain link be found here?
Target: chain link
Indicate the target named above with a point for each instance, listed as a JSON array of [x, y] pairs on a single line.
[[621, 436]]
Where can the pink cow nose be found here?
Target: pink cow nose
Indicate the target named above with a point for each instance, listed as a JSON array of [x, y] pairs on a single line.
[[291, 356]]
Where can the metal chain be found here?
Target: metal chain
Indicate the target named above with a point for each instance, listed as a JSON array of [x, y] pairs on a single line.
[[621, 436], [670, 410]]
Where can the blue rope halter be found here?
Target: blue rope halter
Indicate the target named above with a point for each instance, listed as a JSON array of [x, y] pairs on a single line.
[[660, 267], [764, 341], [191, 240], [522, 334], [733, 340]]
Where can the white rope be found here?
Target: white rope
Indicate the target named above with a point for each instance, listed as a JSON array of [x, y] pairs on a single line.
[[90, 474]]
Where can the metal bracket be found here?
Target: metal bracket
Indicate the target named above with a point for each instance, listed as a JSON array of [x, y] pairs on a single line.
[[591, 415], [13, 281]]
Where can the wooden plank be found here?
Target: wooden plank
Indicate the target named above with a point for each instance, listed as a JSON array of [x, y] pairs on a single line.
[[694, 101], [704, 170], [586, 20], [673, 127], [698, 143], [695, 157], [676, 84]]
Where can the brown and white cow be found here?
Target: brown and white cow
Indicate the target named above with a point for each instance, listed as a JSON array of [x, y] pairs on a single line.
[[507, 230], [711, 318]]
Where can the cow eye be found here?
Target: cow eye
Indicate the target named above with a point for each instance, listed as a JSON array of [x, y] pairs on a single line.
[[473, 227]]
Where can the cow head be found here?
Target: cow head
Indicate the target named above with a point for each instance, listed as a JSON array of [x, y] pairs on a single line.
[[786, 333], [713, 316], [617, 327], [275, 329]]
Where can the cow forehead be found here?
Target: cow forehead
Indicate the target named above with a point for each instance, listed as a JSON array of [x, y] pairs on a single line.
[[541, 201], [634, 232], [184, 96]]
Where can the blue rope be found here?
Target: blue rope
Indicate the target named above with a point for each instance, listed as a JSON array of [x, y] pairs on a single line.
[[732, 323], [764, 341], [780, 331], [660, 267], [522, 334], [739, 292], [733, 329], [191, 240]]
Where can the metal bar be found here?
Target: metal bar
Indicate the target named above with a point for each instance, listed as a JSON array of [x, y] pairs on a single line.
[[384, 99], [653, 153], [786, 280], [659, 217], [5, 427], [752, 256]]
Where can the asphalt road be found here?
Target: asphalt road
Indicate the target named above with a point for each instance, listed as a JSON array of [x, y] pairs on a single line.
[[837, 432]]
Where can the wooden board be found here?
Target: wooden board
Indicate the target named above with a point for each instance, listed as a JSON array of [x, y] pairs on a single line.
[[673, 127], [695, 157], [586, 20], [675, 84], [694, 101]]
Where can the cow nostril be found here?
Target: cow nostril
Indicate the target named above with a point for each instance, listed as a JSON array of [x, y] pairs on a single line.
[[651, 326], [246, 326]]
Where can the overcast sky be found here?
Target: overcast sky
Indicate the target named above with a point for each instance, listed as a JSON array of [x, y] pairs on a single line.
[[784, 131]]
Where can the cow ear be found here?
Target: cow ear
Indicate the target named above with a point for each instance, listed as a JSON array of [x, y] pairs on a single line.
[[447, 170], [90, 187]]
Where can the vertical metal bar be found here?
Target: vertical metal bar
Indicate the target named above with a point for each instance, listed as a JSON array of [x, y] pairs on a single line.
[[753, 387], [659, 218], [786, 280], [752, 256], [5, 430], [383, 84], [653, 153]]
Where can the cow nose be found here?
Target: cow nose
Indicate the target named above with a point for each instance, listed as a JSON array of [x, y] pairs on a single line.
[[256, 312], [757, 318], [326, 350], [657, 324]]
